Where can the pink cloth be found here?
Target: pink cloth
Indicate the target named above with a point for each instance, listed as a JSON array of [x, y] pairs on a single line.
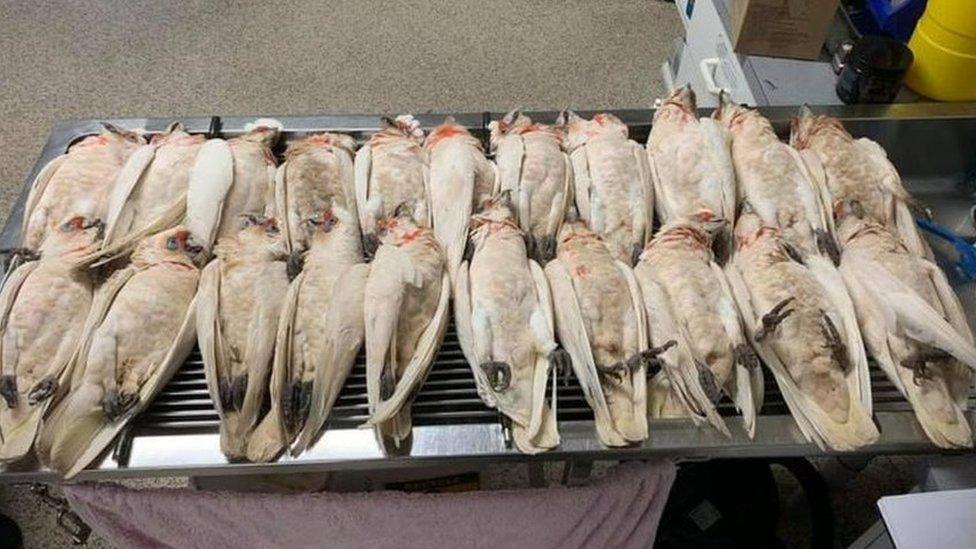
[[619, 510]]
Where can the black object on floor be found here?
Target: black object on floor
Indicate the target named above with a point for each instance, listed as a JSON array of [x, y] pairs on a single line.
[[10, 535], [725, 504]]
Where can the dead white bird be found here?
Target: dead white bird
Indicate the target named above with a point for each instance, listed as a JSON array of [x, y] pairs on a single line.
[[231, 178], [461, 179], [317, 172], [691, 166], [238, 305], [913, 324], [775, 181], [856, 171], [43, 304], [77, 183], [149, 194], [390, 170], [138, 333], [600, 322], [405, 306], [319, 335], [504, 319], [614, 193], [533, 165], [690, 303], [802, 321]]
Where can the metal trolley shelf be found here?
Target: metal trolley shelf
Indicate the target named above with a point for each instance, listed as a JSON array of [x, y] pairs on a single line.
[[934, 147]]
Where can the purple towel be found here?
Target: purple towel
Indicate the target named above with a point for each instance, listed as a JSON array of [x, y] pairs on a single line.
[[619, 510]]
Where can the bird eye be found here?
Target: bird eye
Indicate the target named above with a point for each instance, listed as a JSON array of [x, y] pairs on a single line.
[[272, 228], [172, 243]]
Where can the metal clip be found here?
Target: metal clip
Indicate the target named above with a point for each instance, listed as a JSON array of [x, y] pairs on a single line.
[[67, 519]]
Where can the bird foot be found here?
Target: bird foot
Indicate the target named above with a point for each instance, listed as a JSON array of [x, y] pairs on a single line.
[[838, 350], [827, 245], [743, 354], [116, 404], [294, 264], [547, 249], [499, 375], [42, 390], [8, 390], [772, 319], [560, 361], [919, 363], [371, 243]]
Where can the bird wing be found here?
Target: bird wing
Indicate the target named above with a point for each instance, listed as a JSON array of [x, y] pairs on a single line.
[[347, 182], [717, 140], [423, 357], [542, 432], [859, 379], [644, 208], [680, 365], [573, 337], [211, 179], [363, 168], [161, 374], [639, 379], [891, 182], [474, 352], [289, 222], [509, 158], [452, 174], [116, 223], [747, 392], [37, 190], [345, 331], [581, 182], [208, 330]]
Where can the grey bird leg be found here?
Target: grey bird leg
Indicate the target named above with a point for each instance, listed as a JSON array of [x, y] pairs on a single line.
[[294, 264], [649, 358], [42, 390], [743, 354], [560, 360], [297, 404], [772, 319], [499, 375], [827, 245], [116, 404], [838, 350], [468, 252], [370, 244], [920, 360], [547, 249], [8, 390], [531, 246], [387, 382]]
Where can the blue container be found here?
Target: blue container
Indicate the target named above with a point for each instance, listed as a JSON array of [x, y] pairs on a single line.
[[895, 18]]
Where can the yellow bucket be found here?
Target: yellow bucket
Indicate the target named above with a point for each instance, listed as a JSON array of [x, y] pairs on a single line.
[[944, 44]]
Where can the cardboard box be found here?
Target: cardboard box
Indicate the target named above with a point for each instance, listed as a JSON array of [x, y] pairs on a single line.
[[781, 28]]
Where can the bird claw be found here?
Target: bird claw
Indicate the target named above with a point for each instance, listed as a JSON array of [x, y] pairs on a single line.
[[499, 375], [838, 349], [827, 245], [294, 264], [773, 318], [116, 404], [8, 390], [42, 390], [560, 360], [547, 249], [919, 362], [371, 243]]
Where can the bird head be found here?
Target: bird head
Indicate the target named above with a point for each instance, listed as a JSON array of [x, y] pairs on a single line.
[[580, 130], [174, 245], [750, 228], [500, 128], [681, 102], [738, 118], [76, 235], [806, 126], [447, 130], [404, 125], [260, 231]]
